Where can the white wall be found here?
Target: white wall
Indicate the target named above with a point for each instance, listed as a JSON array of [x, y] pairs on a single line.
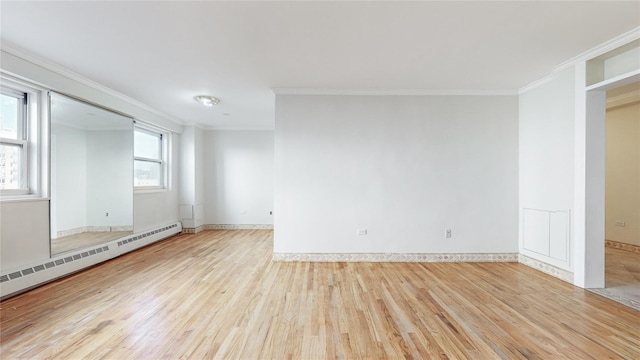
[[97, 172], [110, 178], [238, 168], [199, 177], [68, 200], [187, 169], [623, 174], [546, 160], [24, 232], [403, 167], [191, 177]]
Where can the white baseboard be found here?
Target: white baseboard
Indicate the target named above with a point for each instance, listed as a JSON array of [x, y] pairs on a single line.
[[238, 226], [359, 257], [546, 268], [193, 230]]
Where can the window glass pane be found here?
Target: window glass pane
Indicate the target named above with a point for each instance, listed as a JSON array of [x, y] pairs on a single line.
[[146, 145], [10, 166], [147, 173], [9, 117]]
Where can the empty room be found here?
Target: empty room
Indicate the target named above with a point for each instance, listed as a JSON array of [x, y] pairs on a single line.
[[320, 179]]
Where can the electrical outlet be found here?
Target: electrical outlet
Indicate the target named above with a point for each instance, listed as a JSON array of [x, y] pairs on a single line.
[[361, 232], [447, 233], [620, 223]]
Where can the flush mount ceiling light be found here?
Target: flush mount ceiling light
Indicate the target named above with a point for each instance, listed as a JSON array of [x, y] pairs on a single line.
[[206, 100]]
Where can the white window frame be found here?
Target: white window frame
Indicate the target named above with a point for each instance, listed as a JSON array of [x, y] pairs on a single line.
[[32, 137], [163, 161]]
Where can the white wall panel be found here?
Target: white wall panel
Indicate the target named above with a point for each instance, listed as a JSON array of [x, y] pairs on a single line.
[[536, 231], [559, 235]]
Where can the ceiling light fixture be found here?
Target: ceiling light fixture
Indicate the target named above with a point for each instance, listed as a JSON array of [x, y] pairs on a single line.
[[206, 100]]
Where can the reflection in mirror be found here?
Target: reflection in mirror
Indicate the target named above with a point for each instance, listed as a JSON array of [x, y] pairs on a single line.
[[91, 175]]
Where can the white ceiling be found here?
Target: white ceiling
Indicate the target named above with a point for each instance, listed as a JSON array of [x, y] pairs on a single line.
[[165, 53]]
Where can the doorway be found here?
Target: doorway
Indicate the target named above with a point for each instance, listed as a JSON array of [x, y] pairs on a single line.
[[622, 195]]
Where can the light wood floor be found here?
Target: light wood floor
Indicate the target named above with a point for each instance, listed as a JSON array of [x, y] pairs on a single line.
[[217, 294], [622, 277], [85, 239], [622, 267]]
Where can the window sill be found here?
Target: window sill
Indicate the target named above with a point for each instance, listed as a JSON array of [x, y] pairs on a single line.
[[148, 190], [22, 198]]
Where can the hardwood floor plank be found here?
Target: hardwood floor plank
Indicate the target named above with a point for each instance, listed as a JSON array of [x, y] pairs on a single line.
[[83, 240], [218, 295]]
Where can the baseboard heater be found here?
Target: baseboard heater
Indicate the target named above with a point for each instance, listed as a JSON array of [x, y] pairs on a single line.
[[16, 280]]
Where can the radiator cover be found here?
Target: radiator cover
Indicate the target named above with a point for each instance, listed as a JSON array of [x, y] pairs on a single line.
[[23, 278]]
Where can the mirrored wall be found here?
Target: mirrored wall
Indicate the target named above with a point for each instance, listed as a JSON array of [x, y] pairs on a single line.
[[91, 175]]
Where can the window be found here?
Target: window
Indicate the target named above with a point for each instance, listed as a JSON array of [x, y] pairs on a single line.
[[13, 143], [19, 138], [149, 158]]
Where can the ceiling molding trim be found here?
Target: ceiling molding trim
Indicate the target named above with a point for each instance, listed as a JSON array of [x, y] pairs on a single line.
[[58, 69], [152, 126], [237, 128], [394, 92], [603, 48], [195, 125], [536, 83]]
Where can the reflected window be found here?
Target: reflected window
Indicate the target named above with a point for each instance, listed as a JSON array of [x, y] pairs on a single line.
[[149, 162]]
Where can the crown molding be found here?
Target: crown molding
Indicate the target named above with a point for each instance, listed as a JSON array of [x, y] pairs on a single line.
[[237, 128], [598, 50], [395, 92], [204, 127], [60, 70], [536, 83], [603, 48], [194, 125]]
